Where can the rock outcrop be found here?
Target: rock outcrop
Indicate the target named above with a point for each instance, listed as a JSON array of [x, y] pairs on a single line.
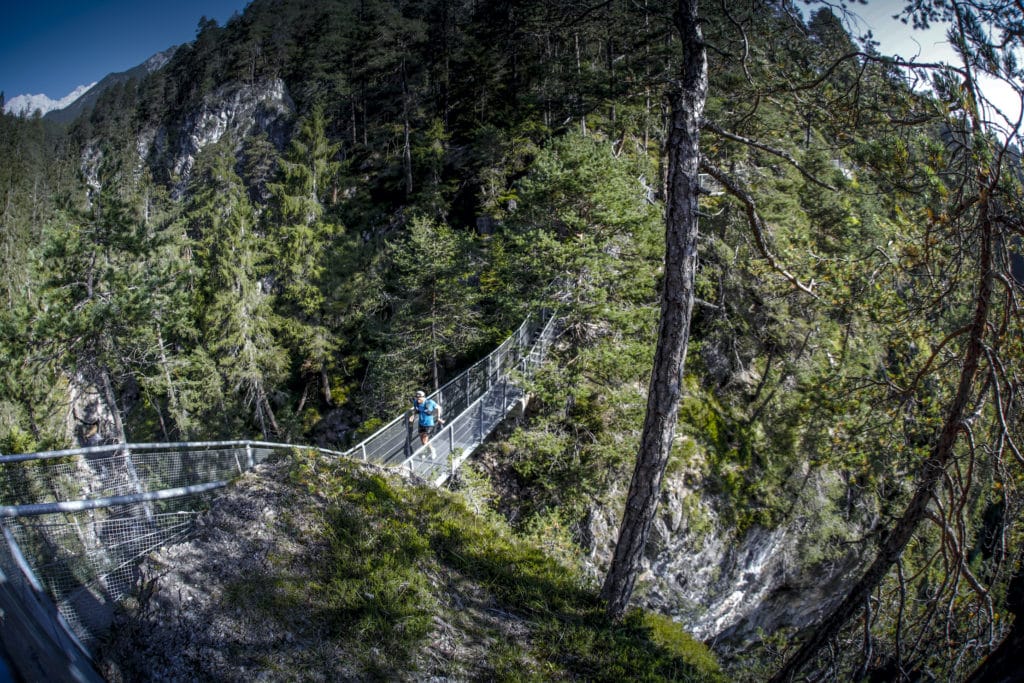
[[723, 586], [236, 109]]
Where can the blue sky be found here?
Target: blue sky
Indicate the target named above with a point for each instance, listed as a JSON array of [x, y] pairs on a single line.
[[52, 47]]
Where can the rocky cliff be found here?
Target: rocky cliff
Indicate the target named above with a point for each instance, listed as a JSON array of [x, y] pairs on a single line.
[[726, 586]]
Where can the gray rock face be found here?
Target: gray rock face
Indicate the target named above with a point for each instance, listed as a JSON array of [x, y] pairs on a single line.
[[193, 618], [89, 421], [725, 588], [236, 109]]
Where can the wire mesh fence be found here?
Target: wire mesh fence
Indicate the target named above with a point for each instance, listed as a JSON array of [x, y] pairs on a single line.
[[86, 561], [451, 446], [120, 470], [38, 641], [82, 518]]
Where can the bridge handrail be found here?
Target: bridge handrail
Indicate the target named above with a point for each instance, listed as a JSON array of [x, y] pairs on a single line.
[[517, 339], [152, 446], [447, 451], [398, 451]]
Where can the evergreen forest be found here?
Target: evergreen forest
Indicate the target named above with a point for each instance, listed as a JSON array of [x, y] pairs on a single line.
[[322, 206]]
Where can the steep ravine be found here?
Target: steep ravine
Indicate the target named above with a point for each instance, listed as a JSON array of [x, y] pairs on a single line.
[[722, 586]]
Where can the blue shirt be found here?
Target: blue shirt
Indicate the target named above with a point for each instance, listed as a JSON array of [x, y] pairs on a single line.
[[425, 411]]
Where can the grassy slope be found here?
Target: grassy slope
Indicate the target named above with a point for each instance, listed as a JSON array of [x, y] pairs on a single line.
[[358, 574]]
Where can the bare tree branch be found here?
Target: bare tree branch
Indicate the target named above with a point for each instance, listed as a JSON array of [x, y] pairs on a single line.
[[714, 128], [757, 224]]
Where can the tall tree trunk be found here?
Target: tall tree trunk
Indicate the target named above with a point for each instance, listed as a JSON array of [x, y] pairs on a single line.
[[433, 339], [265, 414], [612, 80], [677, 303], [930, 473], [647, 79], [30, 413], [446, 50], [111, 401], [305, 394], [325, 386], [407, 156], [363, 108], [355, 132], [407, 145], [129, 464], [178, 415], [8, 260]]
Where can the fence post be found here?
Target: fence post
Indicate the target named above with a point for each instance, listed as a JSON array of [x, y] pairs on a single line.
[[248, 455], [480, 422], [133, 477], [362, 447]]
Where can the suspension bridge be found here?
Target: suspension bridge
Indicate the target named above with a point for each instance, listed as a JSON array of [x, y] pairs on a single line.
[[76, 522]]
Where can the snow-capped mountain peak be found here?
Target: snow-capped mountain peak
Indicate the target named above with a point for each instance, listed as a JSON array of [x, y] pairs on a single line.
[[26, 105]]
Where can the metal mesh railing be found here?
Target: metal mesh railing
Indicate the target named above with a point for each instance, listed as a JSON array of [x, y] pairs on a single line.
[[83, 517], [41, 644], [392, 443], [451, 446], [122, 470], [87, 562]]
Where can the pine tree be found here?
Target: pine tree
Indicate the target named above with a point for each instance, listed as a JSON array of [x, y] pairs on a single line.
[[100, 255], [170, 331], [666, 388], [433, 318], [236, 319], [302, 243]]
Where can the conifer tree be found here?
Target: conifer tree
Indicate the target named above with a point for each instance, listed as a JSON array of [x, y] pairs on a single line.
[[99, 256], [170, 332], [236, 318], [688, 99], [971, 213], [431, 320], [301, 246]]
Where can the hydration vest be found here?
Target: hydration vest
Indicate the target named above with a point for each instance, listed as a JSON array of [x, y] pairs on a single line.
[[425, 411]]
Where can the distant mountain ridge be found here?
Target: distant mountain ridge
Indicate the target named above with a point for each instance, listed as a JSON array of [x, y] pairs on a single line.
[[27, 105], [84, 97], [88, 100]]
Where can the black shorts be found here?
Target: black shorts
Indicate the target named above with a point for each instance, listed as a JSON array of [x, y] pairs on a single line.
[[429, 431]]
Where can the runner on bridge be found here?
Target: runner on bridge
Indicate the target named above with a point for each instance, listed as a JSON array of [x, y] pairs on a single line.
[[429, 413]]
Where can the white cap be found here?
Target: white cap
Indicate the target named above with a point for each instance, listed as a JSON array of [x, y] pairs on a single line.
[[420, 394]]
